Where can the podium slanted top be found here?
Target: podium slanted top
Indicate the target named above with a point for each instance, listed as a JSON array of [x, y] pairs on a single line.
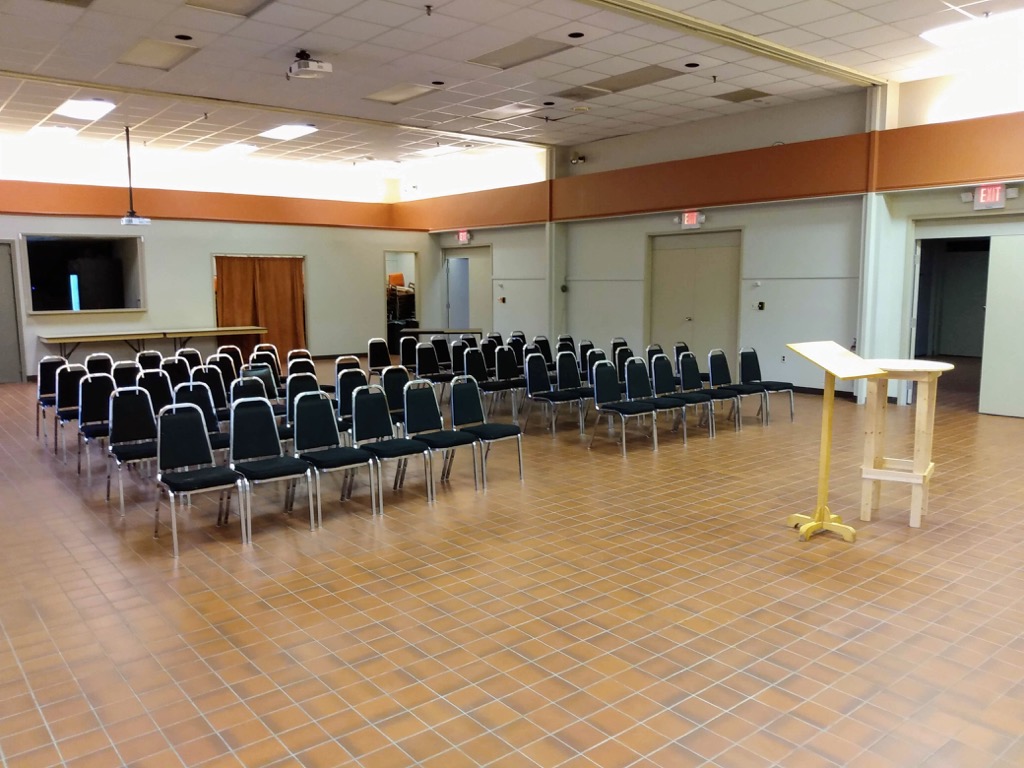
[[837, 360]]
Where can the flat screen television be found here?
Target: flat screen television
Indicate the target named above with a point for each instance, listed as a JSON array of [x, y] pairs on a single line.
[[79, 273]]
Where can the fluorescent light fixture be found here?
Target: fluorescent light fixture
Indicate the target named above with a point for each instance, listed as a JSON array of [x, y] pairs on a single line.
[[54, 131], [157, 54], [236, 149], [635, 78], [399, 94], [981, 30], [528, 49], [507, 111], [234, 7], [84, 109], [440, 149], [288, 132]]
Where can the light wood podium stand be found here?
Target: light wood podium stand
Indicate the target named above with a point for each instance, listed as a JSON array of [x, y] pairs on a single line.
[[838, 363]]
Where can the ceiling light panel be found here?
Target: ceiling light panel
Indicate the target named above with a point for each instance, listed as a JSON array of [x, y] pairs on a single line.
[[234, 7], [84, 109], [507, 111], [288, 132], [399, 94], [157, 54], [529, 49], [635, 79]]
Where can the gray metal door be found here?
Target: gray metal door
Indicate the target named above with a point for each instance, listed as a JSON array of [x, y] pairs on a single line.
[[10, 348]]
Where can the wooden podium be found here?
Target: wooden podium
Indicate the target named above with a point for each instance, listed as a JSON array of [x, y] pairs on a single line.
[[838, 363]]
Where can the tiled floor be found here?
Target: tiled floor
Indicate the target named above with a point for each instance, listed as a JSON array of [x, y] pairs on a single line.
[[652, 611]]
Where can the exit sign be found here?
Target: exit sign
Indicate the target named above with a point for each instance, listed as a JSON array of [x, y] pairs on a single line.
[[464, 237], [691, 219], [989, 196]]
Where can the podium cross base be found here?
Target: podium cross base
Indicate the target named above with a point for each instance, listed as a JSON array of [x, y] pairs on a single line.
[[823, 520]]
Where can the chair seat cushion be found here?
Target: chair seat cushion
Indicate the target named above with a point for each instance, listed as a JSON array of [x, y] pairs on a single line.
[[134, 451], [220, 441], [337, 457], [272, 468], [502, 386], [446, 438], [47, 401], [191, 480], [493, 431], [395, 448], [285, 432], [629, 407], [439, 378], [718, 394], [580, 393], [688, 398], [94, 431], [557, 396], [746, 389], [662, 403], [776, 386]]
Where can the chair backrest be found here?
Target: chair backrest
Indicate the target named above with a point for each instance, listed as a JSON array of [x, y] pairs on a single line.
[[253, 430], [544, 346], [638, 379], [566, 337], [345, 363], [496, 337], [181, 438], [267, 358], [620, 356], [567, 370], [131, 416], [268, 347], [606, 383], [148, 359], [66, 391], [235, 354], [126, 373], [677, 349], [46, 375], [442, 351], [197, 394], [264, 373], [689, 372], [470, 339], [296, 384], [158, 384], [718, 368], [99, 362], [378, 355], [459, 348], [349, 380], [316, 425], [298, 354], [422, 413], [301, 365], [616, 342], [426, 360], [190, 356], [177, 368], [474, 365], [537, 379], [662, 375], [564, 345], [393, 379], [506, 365], [585, 346], [226, 365], [407, 351], [517, 344], [94, 391], [652, 350], [247, 387], [211, 376], [489, 349], [371, 417], [594, 355], [750, 368], [518, 335], [465, 403]]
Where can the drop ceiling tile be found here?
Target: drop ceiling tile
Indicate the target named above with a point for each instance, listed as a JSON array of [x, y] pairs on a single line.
[[654, 54], [267, 33], [865, 38], [654, 33], [528, 21], [760, 6], [615, 65], [719, 11], [291, 17], [757, 24], [617, 44], [349, 28], [615, 22], [794, 37], [806, 12], [438, 25], [136, 9], [385, 12], [479, 11]]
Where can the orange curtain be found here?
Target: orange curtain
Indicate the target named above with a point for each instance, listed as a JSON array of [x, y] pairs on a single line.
[[262, 291]]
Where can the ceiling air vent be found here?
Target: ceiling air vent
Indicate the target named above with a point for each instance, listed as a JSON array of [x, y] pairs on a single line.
[[528, 49], [745, 94], [636, 78], [580, 93]]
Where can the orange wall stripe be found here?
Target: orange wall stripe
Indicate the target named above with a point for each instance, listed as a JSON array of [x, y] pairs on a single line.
[[524, 204], [948, 154]]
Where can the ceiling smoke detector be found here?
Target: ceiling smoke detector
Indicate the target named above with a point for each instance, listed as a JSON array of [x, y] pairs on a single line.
[[307, 68]]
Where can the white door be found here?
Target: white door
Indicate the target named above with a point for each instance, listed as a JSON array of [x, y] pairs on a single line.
[[694, 291], [10, 350], [469, 287], [1002, 364]]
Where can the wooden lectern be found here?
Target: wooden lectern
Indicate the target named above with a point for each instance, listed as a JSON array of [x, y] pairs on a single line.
[[838, 363]]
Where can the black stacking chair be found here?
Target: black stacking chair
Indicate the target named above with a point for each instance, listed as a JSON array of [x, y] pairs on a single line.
[[616, 342], [442, 352], [665, 385], [639, 390], [126, 373], [393, 379], [99, 362], [594, 354], [539, 389], [427, 367], [158, 384], [226, 365], [190, 356], [265, 373], [349, 380], [246, 386], [132, 437], [94, 392], [565, 346], [544, 347], [496, 337], [489, 350], [346, 363], [301, 365], [198, 393], [585, 346], [565, 337], [46, 388], [268, 359], [470, 340], [185, 466], [271, 349], [407, 352], [65, 408], [608, 401], [459, 348], [721, 378], [567, 379], [468, 416], [177, 369], [518, 335], [750, 373], [297, 354], [518, 346], [378, 356], [690, 381], [234, 354], [318, 442], [373, 430], [621, 354], [423, 422], [296, 384], [148, 359], [652, 351], [210, 375], [256, 454]]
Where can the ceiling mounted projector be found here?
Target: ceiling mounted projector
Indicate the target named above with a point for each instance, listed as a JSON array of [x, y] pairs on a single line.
[[306, 67]]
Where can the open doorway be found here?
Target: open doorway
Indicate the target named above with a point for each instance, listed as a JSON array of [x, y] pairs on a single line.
[[952, 285], [400, 267]]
